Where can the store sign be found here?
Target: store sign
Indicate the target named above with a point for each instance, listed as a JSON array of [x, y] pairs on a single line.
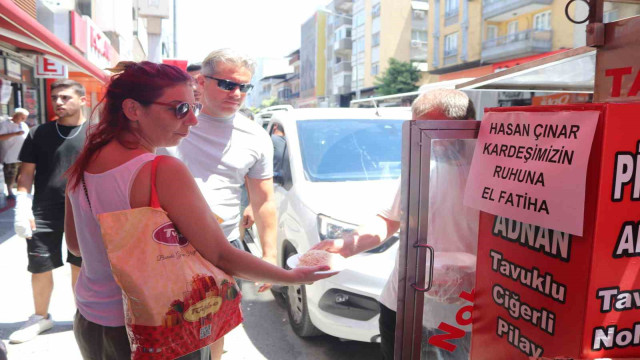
[[14, 69], [544, 293], [522, 162], [617, 70], [50, 69], [87, 37]]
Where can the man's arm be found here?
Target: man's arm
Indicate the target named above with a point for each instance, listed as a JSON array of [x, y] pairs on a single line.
[[366, 237], [70, 227], [25, 177], [8, 136], [264, 210]]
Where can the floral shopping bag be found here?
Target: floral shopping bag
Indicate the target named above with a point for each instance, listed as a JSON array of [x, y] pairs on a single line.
[[176, 302]]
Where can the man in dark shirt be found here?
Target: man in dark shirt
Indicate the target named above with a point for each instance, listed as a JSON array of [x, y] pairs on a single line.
[[46, 155]]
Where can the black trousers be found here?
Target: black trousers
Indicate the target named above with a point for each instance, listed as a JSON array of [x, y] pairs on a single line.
[[387, 323]]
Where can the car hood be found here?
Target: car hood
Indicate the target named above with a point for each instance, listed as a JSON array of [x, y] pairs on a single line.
[[350, 201]]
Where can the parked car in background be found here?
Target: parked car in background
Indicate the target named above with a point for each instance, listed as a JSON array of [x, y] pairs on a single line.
[[263, 116], [338, 168]]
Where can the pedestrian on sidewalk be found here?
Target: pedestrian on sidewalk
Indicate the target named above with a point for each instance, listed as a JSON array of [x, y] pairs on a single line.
[[47, 153], [12, 135], [146, 106], [227, 153]]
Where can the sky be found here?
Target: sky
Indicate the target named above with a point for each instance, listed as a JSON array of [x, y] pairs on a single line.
[[260, 28]]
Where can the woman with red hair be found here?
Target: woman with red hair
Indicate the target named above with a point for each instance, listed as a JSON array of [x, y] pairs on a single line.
[[146, 106]]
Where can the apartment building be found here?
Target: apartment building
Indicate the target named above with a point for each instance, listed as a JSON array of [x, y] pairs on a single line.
[[338, 53], [313, 61], [473, 38]]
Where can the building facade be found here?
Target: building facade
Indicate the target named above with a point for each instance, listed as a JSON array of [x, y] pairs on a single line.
[[313, 61]]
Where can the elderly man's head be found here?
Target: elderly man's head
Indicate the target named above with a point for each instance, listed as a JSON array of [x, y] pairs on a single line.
[[443, 104]]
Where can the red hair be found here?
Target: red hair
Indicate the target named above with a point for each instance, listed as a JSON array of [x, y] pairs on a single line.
[[144, 82]]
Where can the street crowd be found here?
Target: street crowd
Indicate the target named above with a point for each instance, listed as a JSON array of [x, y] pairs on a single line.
[[180, 141]]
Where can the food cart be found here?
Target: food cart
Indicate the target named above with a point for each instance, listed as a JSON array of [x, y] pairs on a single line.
[[558, 231]]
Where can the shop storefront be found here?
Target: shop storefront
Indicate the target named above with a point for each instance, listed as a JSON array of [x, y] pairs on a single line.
[[24, 42]]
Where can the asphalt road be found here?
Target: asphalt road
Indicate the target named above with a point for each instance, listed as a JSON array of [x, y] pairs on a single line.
[[265, 333]]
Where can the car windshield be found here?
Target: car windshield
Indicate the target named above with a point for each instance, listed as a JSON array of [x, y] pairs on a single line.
[[350, 150]]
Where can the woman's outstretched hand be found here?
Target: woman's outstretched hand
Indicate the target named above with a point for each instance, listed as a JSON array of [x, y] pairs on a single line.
[[308, 274]]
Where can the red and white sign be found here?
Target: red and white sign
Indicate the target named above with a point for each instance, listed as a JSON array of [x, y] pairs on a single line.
[[522, 162], [50, 69], [87, 37]]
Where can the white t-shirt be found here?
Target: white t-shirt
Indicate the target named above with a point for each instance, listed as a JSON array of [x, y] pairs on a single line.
[[453, 233], [219, 153], [11, 147]]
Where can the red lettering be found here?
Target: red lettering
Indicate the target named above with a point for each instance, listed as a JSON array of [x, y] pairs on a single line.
[[460, 315], [617, 74], [451, 332], [48, 66], [636, 86], [468, 296]]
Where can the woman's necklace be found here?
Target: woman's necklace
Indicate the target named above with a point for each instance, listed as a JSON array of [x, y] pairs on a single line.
[[68, 137]]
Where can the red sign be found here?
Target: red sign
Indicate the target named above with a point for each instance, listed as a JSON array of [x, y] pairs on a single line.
[[50, 69], [78, 32], [545, 293]]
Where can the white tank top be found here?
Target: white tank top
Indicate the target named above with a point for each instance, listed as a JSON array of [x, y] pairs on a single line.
[[98, 297]]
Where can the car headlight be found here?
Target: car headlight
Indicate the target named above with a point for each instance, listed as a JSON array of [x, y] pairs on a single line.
[[329, 228]]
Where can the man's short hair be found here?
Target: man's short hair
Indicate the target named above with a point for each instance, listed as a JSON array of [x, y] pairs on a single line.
[[453, 104], [22, 111], [227, 56], [194, 67], [68, 83]]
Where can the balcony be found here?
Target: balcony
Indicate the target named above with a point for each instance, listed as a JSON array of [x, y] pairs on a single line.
[[344, 66], [340, 20], [502, 10], [523, 43], [342, 46], [418, 50], [343, 5]]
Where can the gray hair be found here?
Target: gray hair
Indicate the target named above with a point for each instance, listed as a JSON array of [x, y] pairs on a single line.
[[453, 104], [22, 111], [227, 56]]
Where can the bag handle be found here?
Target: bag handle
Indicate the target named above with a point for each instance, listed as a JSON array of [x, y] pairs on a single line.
[[155, 203]]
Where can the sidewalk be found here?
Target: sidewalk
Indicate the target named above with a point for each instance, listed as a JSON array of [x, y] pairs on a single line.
[[16, 302]]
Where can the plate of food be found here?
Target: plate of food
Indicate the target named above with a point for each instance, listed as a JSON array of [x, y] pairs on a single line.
[[335, 262]]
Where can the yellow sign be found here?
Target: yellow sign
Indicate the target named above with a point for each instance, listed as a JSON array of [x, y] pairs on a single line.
[[210, 305]]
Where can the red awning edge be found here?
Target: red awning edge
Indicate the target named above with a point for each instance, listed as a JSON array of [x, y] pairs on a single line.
[[31, 28]]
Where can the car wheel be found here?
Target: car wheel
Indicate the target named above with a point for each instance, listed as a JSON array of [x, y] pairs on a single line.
[[297, 308]]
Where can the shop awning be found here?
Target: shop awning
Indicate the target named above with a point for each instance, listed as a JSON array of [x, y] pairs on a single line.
[[569, 71], [21, 30]]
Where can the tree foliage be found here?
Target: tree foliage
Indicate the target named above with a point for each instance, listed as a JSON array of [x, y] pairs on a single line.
[[269, 102], [400, 77]]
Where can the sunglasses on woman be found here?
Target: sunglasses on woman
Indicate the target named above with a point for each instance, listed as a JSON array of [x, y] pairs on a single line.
[[182, 109], [227, 85]]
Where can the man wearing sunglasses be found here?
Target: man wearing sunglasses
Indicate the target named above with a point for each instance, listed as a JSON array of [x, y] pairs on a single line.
[[226, 150]]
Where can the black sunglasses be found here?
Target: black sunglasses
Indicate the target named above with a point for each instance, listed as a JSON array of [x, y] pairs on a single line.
[[182, 109], [227, 85]]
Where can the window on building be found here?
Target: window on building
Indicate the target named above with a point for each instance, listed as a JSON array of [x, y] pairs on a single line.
[[375, 11], [542, 21], [375, 39], [375, 68], [358, 19], [375, 54], [492, 32], [451, 44], [512, 29], [419, 35], [450, 7]]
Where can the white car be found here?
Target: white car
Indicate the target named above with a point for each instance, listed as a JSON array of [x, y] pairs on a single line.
[[263, 117], [339, 167]]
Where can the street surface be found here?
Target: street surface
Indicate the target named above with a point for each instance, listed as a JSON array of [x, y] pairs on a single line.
[[265, 333]]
